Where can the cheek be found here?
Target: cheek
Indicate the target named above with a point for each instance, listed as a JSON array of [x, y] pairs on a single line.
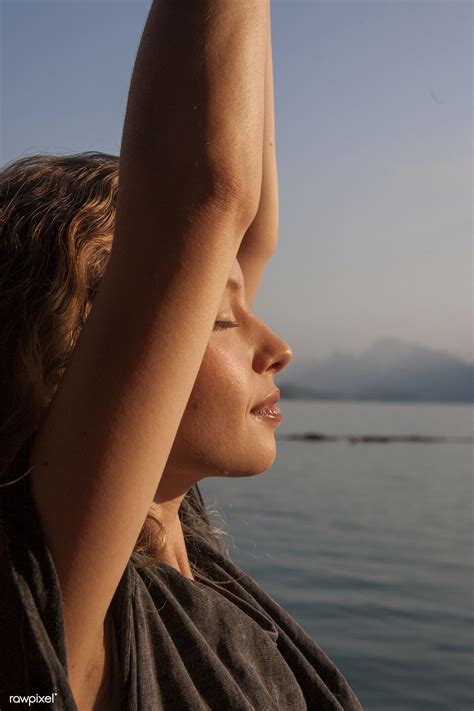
[[217, 434], [222, 388]]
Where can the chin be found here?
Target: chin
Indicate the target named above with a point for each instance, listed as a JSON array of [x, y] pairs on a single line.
[[243, 475], [260, 464]]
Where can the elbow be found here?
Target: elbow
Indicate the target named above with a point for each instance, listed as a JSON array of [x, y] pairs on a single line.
[[230, 193]]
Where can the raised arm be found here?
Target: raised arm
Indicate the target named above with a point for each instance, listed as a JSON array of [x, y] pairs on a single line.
[[190, 176], [260, 240]]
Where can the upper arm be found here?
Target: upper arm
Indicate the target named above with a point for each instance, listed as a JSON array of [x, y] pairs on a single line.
[[101, 449], [261, 238]]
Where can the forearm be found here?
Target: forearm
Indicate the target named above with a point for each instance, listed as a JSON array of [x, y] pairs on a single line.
[[195, 109]]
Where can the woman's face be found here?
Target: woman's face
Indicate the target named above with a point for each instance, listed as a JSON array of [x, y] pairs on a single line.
[[218, 435]]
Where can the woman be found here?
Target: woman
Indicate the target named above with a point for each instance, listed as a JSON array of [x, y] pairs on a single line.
[[117, 399]]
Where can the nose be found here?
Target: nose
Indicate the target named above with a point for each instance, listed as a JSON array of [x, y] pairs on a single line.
[[272, 352]]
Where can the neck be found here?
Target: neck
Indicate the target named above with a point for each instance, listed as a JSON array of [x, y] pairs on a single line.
[[165, 506]]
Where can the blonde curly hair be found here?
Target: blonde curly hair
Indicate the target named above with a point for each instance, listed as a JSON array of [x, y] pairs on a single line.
[[57, 217]]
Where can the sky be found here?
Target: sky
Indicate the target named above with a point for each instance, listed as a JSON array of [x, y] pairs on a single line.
[[373, 113]]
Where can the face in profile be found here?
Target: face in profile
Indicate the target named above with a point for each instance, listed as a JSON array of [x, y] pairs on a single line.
[[218, 434]]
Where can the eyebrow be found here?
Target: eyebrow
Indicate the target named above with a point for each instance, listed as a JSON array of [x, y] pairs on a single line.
[[233, 285]]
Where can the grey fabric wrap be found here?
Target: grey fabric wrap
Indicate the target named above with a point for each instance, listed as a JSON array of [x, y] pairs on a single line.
[[182, 644]]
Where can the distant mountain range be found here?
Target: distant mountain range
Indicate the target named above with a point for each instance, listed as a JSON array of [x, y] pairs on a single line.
[[390, 370]]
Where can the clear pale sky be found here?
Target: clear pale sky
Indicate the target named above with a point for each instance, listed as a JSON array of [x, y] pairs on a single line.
[[373, 108]]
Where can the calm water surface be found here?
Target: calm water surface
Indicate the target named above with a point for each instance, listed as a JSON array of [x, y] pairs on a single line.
[[368, 546]]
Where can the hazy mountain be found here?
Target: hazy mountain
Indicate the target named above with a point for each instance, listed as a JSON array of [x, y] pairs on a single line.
[[389, 370]]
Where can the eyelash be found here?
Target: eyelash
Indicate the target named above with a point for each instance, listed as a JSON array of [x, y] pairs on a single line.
[[220, 325]]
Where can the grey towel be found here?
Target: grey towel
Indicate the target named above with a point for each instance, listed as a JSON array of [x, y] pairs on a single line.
[[182, 644]]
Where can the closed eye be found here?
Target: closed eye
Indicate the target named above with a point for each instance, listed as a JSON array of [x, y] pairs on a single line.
[[219, 325]]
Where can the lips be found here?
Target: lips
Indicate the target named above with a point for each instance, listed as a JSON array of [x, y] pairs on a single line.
[[268, 402]]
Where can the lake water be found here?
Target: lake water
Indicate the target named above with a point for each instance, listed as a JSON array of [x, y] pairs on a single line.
[[368, 546]]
